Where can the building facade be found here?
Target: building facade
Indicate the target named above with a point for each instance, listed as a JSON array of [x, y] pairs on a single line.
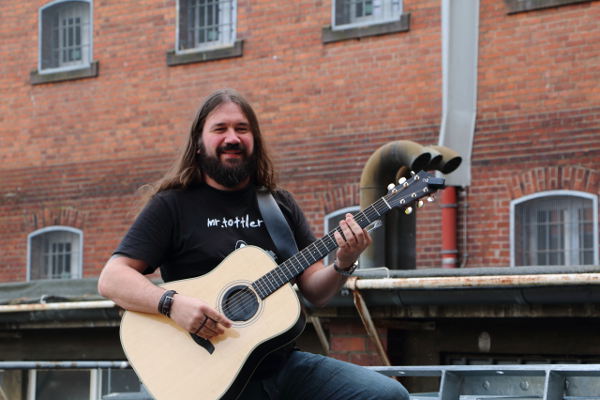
[[98, 97]]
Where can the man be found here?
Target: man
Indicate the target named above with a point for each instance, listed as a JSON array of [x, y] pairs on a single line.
[[204, 209]]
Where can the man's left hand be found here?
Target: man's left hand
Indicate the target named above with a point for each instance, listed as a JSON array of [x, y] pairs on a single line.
[[353, 242]]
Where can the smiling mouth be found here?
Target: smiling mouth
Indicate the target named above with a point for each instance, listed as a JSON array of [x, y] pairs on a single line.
[[232, 154], [235, 150]]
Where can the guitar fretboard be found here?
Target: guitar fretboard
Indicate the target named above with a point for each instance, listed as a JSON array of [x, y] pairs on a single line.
[[293, 266]]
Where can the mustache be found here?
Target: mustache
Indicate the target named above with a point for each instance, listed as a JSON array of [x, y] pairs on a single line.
[[231, 147]]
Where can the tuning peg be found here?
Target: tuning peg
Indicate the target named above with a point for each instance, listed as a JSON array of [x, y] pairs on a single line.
[[408, 210], [420, 203], [412, 173], [390, 186], [430, 199], [401, 180]]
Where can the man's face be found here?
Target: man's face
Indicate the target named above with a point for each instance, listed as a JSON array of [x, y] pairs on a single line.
[[227, 146]]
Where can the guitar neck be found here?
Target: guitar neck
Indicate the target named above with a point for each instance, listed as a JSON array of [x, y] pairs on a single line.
[[317, 250], [401, 195]]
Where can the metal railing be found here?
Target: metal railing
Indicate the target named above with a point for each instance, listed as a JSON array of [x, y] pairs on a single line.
[[540, 381], [456, 382]]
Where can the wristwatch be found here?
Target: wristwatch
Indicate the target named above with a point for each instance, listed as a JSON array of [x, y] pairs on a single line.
[[345, 272]]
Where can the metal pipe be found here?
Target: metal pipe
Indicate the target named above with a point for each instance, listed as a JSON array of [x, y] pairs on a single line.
[[62, 364], [378, 172], [449, 161], [70, 305], [492, 281], [449, 209]]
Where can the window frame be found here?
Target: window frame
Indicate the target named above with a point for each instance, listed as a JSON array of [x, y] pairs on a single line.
[[76, 267], [93, 382], [87, 62], [327, 228], [97, 378], [207, 46], [550, 193], [367, 21]]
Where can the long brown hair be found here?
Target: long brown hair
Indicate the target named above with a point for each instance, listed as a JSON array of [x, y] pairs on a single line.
[[186, 169]]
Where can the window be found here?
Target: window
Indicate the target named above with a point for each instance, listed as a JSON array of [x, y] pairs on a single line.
[[517, 6], [81, 384], [352, 13], [205, 24], [55, 253], [65, 36], [332, 221], [555, 228]]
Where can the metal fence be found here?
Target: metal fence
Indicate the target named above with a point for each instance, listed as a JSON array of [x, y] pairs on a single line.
[[456, 382]]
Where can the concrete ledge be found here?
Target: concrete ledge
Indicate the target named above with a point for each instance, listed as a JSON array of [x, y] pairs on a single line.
[[402, 25], [518, 6], [174, 59], [36, 78]]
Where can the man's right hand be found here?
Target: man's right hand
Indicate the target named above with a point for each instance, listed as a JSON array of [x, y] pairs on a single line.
[[197, 317]]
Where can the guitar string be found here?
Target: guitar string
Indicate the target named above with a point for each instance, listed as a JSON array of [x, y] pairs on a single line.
[[239, 300], [245, 296]]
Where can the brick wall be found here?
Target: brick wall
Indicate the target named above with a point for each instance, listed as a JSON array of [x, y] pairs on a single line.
[[350, 342], [79, 149]]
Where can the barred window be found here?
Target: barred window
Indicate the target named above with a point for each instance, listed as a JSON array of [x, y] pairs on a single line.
[[205, 24], [351, 13], [55, 253], [65, 35], [556, 228]]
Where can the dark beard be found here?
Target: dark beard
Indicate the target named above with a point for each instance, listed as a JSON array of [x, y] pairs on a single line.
[[229, 176]]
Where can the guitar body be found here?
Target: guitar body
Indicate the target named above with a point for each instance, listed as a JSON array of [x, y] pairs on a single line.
[[173, 364]]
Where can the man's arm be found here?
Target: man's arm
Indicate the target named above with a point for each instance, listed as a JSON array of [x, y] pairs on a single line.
[[122, 281], [319, 283]]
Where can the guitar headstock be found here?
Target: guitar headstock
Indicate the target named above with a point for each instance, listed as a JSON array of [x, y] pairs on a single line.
[[408, 191]]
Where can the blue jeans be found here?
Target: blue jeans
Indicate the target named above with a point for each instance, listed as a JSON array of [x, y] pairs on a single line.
[[307, 376]]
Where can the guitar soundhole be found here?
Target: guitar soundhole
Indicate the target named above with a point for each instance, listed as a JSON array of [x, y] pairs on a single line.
[[240, 303]]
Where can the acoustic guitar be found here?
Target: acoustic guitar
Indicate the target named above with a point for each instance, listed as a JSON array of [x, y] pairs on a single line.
[[253, 292]]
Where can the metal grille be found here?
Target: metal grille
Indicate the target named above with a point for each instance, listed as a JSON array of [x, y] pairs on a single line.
[[55, 255], [65, 35], [363, 12], [205, 22], [555, 230]]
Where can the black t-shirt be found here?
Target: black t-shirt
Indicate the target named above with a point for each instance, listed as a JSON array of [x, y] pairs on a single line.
[[189, 232]]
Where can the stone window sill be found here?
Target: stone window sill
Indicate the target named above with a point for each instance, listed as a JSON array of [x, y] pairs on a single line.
[[36, 78], [518, 6], [174, 59], [402, 25]]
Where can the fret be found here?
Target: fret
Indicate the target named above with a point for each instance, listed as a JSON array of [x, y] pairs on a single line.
[[277, 277], [386, 203], [296, 264], [269, 279], [289, 274], [303, 256], [333, 244], [258, 289]]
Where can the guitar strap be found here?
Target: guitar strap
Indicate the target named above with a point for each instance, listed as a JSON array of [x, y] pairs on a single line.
[[278, 228]]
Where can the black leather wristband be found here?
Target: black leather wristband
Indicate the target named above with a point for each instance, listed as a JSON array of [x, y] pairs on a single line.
[[165, 303], [345, 272]]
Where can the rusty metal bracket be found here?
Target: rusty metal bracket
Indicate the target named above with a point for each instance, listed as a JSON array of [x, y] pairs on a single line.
[[365, 316]]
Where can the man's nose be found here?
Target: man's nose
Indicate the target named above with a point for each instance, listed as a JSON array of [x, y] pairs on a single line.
[[231, 136]]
